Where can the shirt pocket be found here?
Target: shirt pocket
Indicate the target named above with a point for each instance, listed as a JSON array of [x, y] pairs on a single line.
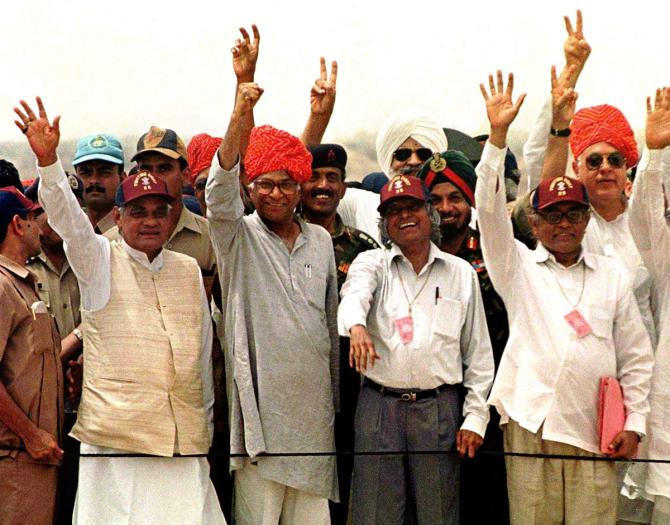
[[448, 319], [601, 325], [315, 283], [42, 336]]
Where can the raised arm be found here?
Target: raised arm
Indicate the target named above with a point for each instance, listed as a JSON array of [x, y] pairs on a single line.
[[322, 104], [647, 206], [497, 237], [86, 251], [245, 55], [576, 51], [222, 193]]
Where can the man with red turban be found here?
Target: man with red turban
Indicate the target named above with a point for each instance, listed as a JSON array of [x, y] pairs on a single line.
[[279, 285], [201, 149]]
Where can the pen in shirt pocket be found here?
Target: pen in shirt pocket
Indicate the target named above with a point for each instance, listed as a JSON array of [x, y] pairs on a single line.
[[308, 271], [437, 294]]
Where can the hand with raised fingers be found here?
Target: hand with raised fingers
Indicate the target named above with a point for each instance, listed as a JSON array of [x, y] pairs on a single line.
[[361, 348], [245, 54], [657, 132], [43, 136], [576, 48], [322, 95], [500, 108], [563, 99], [248, 94]]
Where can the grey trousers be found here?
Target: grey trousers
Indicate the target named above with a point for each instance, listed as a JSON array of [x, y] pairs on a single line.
[[395, 489]]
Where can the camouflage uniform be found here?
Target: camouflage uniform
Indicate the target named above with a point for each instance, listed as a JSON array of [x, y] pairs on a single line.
[[348, 242], [485, 474]]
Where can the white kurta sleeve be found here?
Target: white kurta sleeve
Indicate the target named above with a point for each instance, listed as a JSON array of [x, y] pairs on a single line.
[[87, 252], [497, 237], [535, 148], [225, 209]]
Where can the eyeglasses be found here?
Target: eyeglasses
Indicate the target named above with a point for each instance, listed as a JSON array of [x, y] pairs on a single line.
[[555, 217], [402, 154], [266, 186], [595, 160]]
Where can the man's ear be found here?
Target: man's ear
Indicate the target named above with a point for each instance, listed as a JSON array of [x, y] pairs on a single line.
[[17, 225], [118, 217]]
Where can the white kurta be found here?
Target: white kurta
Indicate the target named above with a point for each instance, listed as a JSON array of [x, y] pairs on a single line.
[[128, 490], [652, 236]]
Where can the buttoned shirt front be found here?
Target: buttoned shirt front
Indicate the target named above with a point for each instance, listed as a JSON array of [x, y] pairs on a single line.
[[30, 369], [59, 290], [450, 342], [548, 375]]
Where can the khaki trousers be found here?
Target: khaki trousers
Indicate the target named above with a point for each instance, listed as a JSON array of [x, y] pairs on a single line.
[[27, 492], [557, 491], [258, 501]]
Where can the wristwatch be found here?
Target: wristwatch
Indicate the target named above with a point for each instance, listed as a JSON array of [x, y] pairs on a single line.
[[77, 333], [560, 132]]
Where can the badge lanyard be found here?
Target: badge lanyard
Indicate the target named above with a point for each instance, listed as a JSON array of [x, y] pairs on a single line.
[[405, 325], [574, 318]]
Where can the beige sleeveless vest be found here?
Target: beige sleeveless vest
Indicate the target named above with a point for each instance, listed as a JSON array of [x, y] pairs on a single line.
[[142, 376]]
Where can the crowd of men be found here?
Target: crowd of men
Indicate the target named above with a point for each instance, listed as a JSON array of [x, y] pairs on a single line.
[[207, 336]]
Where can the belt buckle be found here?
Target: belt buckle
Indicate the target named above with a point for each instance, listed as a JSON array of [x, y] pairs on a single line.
[[408, 396]]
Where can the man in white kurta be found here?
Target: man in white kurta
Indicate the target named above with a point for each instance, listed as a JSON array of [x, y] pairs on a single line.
[[652, 235], [147, 384]]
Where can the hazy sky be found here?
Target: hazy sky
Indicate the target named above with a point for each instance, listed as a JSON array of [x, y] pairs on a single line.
[[121, 66]]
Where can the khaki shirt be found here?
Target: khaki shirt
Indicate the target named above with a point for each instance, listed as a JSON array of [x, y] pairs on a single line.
[[30, 369], [190, 237], [59, 290], [105, 224]]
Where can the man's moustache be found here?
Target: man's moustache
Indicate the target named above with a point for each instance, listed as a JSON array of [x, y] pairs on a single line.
[[95, 187]]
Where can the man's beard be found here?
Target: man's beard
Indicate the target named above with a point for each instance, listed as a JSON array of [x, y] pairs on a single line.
[[454, 229]]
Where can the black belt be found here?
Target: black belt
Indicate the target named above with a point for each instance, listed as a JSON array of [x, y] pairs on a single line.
[[411, 395]]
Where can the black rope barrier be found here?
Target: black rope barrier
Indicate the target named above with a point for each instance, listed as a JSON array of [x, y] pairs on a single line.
[[360, 453]]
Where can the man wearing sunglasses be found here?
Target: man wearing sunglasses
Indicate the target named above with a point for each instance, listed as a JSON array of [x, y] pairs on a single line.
[[404, 142], [573, 320], [279, 285]]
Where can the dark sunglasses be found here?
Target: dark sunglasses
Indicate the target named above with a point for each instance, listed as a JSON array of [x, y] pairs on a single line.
[[595, 160], [555, 217], [402, 154]]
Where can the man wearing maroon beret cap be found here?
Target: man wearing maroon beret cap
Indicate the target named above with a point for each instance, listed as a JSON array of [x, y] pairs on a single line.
[[146, 326]]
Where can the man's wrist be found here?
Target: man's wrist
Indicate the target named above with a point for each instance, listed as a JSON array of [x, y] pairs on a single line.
[[48, 160]]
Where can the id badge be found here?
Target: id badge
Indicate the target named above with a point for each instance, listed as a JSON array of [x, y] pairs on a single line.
[[577, 322], [405, 327]]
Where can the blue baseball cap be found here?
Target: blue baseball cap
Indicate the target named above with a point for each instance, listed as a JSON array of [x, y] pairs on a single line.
[[98, 147], [13, 202]]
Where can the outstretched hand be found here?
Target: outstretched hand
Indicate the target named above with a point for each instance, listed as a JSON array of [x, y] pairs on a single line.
[[575, 48], [245, 54], [563, 99], [322, 95], [42, 135], [658, 120], [500, 108]]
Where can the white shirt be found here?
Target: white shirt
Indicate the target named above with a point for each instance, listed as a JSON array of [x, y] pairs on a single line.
[[652, 235], [358, 209], [89, 255], [450, 343], [548, 375]]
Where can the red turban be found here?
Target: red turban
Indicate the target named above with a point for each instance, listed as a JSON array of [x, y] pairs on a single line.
[[201, 151], [272, 149], [603, 124]]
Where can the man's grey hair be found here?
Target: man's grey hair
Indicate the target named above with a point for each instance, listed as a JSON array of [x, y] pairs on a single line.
[[435, 233]]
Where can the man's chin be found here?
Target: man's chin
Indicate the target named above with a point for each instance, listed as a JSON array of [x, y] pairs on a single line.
[[449, 231]]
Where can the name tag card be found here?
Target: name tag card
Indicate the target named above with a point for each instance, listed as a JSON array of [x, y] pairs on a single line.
[[577, 322], [405, 327]]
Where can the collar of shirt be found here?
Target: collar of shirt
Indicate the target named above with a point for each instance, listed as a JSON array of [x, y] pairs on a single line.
[[542, 255], [20, 271], [50, 265], [619, 218], [303, 236], [434, 253], [142, 258], [187, 221], [106, 223]]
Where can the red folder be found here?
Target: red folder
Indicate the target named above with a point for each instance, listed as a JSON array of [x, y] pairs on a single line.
[[611, 412]]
